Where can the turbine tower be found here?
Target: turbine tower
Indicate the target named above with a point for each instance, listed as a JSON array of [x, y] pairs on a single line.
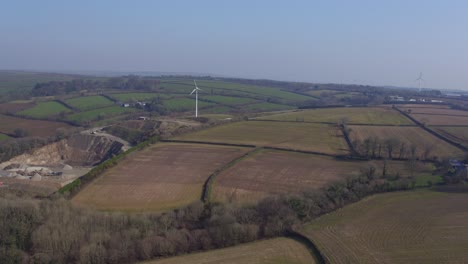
[[196, 97], [420, 79]]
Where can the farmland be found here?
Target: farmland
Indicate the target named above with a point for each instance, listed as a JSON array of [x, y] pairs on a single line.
[[228, 100], [435, 120], [13, 107], [99, 113], [356, 115], [4, 137], [278, 172], [161, 177], [277, 250], [267, 107], [410, 136], [230, 88], [129, 97], [184, 104], [89, 102], [403, 227], [300, 136], [44, 110], [457, 134], [37, 128]]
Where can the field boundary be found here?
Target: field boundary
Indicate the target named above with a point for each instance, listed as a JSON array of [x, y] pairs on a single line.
[[453, 143], [208, 185], [313, 249], [65, 104], [109, 97]]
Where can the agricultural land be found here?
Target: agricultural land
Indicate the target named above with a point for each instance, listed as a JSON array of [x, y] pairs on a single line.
[[404, 227], [161, 177], [300, 136], [270, 172], [278, 250]]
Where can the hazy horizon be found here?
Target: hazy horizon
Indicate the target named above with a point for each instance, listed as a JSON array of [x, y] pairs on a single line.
[[360, 42]]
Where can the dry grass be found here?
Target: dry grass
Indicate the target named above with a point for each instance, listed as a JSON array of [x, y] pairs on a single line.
[[357, 115], [278, 172], [272, 251], [403, 227], [161, 177], [300, 136], [410, 136]]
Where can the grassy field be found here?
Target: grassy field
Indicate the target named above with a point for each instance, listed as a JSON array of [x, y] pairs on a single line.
[[4, 137], [457, 134], [357, 115], [403, 227], [184, 104], [89, 102], [272, 251], [216, 110], [438, 111], [129, 97], [271, 172], [36, 128], [416, 136], [318, 93], [45, 109], [300, 136], [229, 100], [420, 106], [161, 177], [100, 113]]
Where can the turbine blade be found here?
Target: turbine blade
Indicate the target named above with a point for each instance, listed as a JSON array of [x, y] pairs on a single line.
[[193, 91], [195, 83]]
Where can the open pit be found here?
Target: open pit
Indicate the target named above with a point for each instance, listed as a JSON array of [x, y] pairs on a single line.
[[50, 167]]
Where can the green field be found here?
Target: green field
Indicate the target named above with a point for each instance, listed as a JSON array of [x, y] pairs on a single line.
[[403, 227], [100, 113], [272, 251], [89, 102], [45, 109], [229, 100], [4, 137], [216, 110], [300, 136], [130, 97], [357, 115], [184, 104]]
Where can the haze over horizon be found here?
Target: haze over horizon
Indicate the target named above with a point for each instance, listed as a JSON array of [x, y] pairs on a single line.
[[362, 42]]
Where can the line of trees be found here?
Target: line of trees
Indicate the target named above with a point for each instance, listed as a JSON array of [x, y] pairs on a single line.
[[392, 148]]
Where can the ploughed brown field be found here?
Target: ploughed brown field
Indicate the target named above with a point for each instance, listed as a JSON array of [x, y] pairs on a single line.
[[37, 128], [299, 136], [416, 136], [402, 227], [160, 177], [270, 172], [15, 107]]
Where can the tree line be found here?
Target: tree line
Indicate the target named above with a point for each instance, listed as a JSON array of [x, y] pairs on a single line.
[[120, 83]]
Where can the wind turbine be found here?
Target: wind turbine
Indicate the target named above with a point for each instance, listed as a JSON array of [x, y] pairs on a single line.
[[196, 97], [420, 79]]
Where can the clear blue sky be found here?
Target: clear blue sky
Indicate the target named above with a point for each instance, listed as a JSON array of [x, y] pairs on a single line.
[[373, 42]]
